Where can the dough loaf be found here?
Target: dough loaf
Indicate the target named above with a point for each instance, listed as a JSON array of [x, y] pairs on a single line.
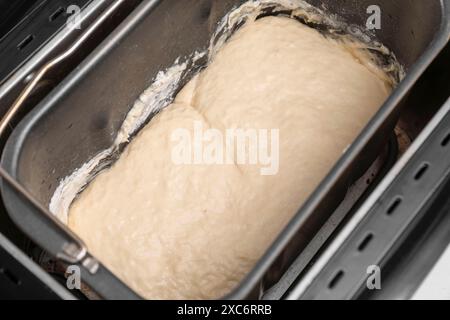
[[194, 231]]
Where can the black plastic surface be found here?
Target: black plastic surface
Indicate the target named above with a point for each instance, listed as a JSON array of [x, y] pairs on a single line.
[[37, 26], [390, 223], [418, 254], [12, 12], [21, 278], [36, 284]]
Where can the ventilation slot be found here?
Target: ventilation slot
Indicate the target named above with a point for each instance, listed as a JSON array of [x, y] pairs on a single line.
[[55, 15], [336, 279], [10, 276], [363, 245], [446, 140], [25, 42], [421, 172], [394, 206]]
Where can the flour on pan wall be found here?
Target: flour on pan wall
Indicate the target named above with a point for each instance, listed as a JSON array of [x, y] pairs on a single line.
[[165, 85]]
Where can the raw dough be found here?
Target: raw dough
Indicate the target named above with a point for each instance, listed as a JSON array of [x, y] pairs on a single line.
[[194, 231]]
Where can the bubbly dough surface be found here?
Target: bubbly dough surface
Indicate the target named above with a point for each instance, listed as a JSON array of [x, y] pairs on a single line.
[[194, 231]]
